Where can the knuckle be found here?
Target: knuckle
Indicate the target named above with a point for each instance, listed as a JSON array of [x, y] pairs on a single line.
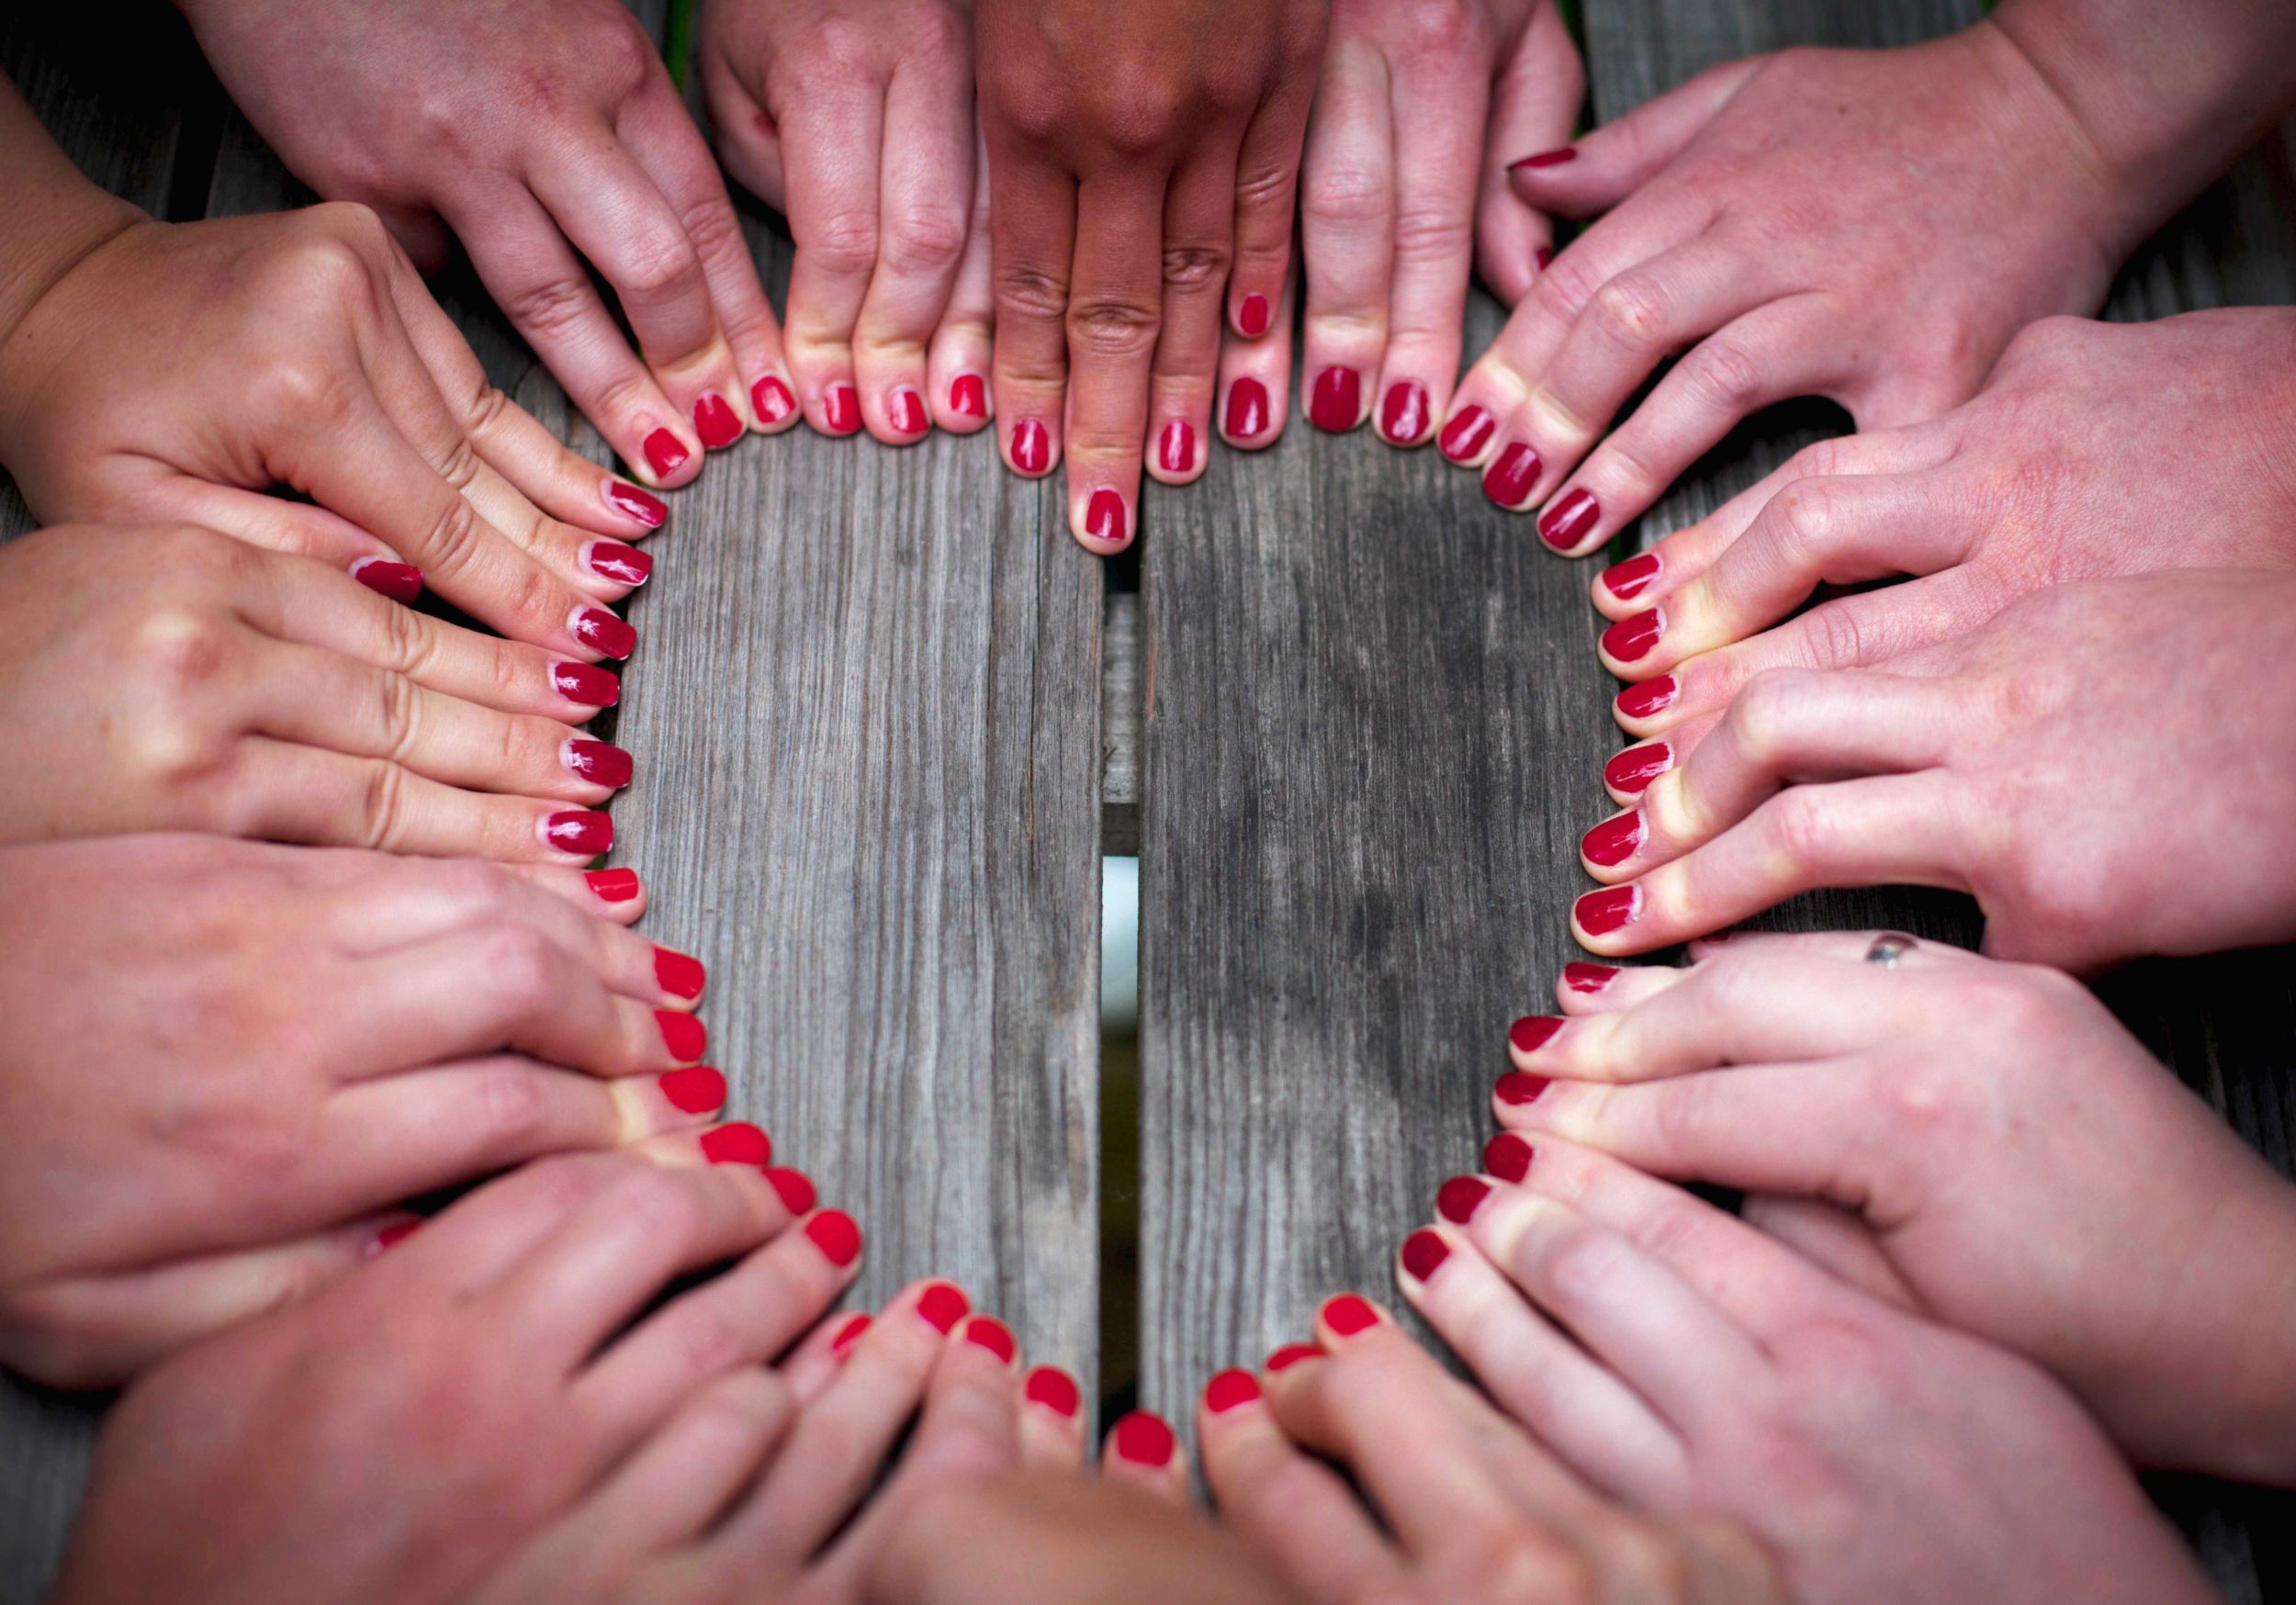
[[668, 1210], [454, 538], [660, 262], [1633, 310], [512, 1108], [1723, 375], [924, 238], [396, 714], [711, 228], [1195, 267], [1444, 30], [710, 1341], [485, 413], [1030, 292], [383, 806], [550, 307], [846, 241], [1432, 235], [1762, 713], [841, 48], [1581, 1261], [1835, 636], [1801, 832], [518, 966], [461, 464], [1343, 195], [1112, 329], [1567, 286]]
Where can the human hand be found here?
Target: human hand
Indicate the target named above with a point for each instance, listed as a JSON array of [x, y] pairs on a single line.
[[1711, 1371], [1958, 1135], [547, 135], [855, 118], [2035, 764], [399, 1438], [1143, 164], [299, 349]]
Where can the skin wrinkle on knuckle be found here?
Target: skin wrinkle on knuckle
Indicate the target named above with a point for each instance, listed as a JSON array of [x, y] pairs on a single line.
[[1030, 292], [845, 242], [511, 1109], [1112, 330], [1351, 199], [382, 807], [550, 308], [1189, 268], [1632, 310], [926, 237]]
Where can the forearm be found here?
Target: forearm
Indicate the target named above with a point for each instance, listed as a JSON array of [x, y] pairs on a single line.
[[50, 217]]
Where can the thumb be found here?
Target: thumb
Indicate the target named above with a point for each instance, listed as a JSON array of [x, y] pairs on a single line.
[[1616, 160], [1534, 103]]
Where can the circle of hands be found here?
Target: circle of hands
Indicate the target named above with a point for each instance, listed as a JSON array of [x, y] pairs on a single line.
[[327, 851]]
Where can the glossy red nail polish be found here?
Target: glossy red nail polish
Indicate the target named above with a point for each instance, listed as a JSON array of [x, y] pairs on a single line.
[[396, 1232], [612, 885], [1600, 913], [1512, 474], [1230, 1389], [628, 500], [1554, 158], [1587, 979], [835, 1234], [1175, 448], [1253, 314], [1404, 412], [597, 762], [402, 582], [683, 1036], [1337, 401], [1652, 696], [1517, 1089], [1104, 517], [1571, 520], [623, 565], [968, 397], [696, 1090], [1457, 1199], [1348, 1315], [678, 974], [1630, 579], [848, 1335], [1507, 1157], [585, 683], [1032, 447], [1543, 258], [1632, 638], [1631, 770], [601, 632], [840, 410], [717, 422], [739, 1143], [1531, 1032], [772, 399], [1423, 1253], [943, 1306], [665, 453], [1466, 435], [1614, 841], [794, 1188], [1143, 1439], [1054, 1389], [987, 1332], [906, 408], [1292, 1354], [583, 832], [1246, 415]]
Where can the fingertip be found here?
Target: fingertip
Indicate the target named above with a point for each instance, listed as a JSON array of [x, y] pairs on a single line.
[[1102, 520], [773, 403]]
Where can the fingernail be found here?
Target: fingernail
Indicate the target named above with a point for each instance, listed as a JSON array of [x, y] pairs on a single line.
[[585, 683], [595, 761], [1600, 913], [1516, 1089], [1292, 1354], [987, 1332], [1554, 158], [1457, 1199], [1105, 517], [1543, 257], [1630, 579], [584, 832], [1631, 770], [612, 885], [1614, 841], [1229, 1389], [848, 1335], [794, 1188], [1652, 696], [1245, 416], [840, 410], [685, 1038], [665, 453], [834, 1233], [1404, 412], [1570, 521], [1143, 1439], [649, 511], [773, 400], [906, 408], [1512, 474], [739, 1143], [1423, 1253], [1054, 1389], [601, 632], [402, 582], [1175, 449], [1507, 1157], [1587, 979], [680, 975], [612, 560], [717, 424], [1466, 435], [1253, 316], [1348, 1315], [968, 397], [1032, 447], [1531, 1032], [943, 1306], [396, 1232], [1337, 402], [696, 1090], [1631, 638]]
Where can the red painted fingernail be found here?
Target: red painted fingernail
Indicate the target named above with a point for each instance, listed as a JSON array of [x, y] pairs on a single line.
[[1516, 1089], [794, 1188], [695, 1090], [1175, 449], [1143, 1439], [1570, 521], [906, 408], [1032, 447], [848, 1335], [988, 1332], [834, 1233], [739, 1143], [717, 422], [1507, 1157], [1600, 913], [396, 1232], [680, 975], [583, 832], [1337, 402], [1348, 1315], [968, 397], [1423, 1253], [402, 582], [773, 400], [595, 761], [943, 1306], [685, 1038], [1630, 579], [1531, 1032], [1229, 1389], [1404, 412], [1245, 416], [1587, 979], [1631, 638], [1466, 435], [1543, 257], [612, 885], [1554, 158], [623, 565], [840, 410], [585, 683], [649, 511], [1652, 696], [1614, 841], [1512, 474], [1292, 1354], [1253, 314], [1105, 517], [1054, 1389], [665, 453], [1457, 1199], [1636, 768], [601, 632]]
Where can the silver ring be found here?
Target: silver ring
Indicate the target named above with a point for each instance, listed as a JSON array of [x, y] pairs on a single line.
[[1889, 948]]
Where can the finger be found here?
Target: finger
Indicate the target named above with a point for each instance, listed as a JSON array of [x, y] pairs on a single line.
[[1347, 219], [1143, 1452], [1534, 107], [1052, 1420], [1631, 770], [1438, 143], [832, 142], [1199, 215], [1256, 381], [1267, 193], [1115, 311], [470, 1247], [1599, 989], [1845, 945], [617, 896], [291, 528], [1834, 1239], [1032, 229], [816, 1363], [1611, 162], [959, 357]]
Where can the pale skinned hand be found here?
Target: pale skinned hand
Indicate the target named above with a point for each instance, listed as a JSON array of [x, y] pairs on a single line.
[[178, 680], [1979, 1141], [1143, 164], [291, 1042], [547, 136], [1685, 1362], [1468, 1507], [855, 118], [2104, 767], [180, 372], [401, 1437]]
